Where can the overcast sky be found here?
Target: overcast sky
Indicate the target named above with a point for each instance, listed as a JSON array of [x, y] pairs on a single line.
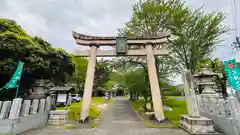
[[54, 20]]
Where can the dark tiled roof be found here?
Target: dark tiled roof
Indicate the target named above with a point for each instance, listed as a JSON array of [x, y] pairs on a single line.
[[61, 88]]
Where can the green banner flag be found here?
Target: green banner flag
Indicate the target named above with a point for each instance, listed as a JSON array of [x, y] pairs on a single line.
[[15, 80], [233, 74]]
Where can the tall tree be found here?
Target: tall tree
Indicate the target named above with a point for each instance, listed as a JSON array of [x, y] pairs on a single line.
[[195, 34], [42, 61]]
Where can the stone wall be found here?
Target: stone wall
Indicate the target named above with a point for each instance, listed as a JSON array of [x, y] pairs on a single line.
[[224, 113], [20, 115]]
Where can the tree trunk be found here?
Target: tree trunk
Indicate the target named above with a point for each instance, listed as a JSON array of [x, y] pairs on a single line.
[[131, 96], [95, 93]]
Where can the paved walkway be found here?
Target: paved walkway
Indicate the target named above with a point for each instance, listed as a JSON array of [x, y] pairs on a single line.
[[119, 114], [118, 119]]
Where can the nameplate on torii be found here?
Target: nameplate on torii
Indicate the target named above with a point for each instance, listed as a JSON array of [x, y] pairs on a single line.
[[121, 45]]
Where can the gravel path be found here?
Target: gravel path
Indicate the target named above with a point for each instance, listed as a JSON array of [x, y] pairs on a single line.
[[118, 119]]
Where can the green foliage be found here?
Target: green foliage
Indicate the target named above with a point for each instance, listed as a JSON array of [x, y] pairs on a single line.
[[135, 81], [197, 37], [102, 75], [80, 73], [169, 90], [130, 64], [42, 61], [56, 63], [117, 77], [9, 26], [109, 86]]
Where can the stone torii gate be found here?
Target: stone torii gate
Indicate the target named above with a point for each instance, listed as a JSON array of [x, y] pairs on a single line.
[[122, 47]]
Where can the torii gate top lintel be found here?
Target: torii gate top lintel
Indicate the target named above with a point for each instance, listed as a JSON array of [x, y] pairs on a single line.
[[83, 39], [122, 44]]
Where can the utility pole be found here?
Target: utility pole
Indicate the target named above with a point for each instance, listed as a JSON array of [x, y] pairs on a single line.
[[236, 42]]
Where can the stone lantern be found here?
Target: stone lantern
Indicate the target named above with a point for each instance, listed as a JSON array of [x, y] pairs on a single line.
[[38, 91], [205, 82]]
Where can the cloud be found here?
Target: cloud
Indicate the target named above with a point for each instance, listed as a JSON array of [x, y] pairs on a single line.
[[54, 20]]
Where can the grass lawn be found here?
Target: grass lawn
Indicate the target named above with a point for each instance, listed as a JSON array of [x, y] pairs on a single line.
[[178, 108], [94, 112]]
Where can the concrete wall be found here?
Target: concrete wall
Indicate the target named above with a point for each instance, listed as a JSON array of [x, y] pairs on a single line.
[[224, 113], [23, 124], [19, 116]]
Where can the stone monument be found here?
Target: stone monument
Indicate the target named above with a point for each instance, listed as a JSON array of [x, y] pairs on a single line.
[[193, 122]]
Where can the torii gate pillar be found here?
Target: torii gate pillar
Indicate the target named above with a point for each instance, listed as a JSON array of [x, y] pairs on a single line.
[[154, 84], [87, 94]]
